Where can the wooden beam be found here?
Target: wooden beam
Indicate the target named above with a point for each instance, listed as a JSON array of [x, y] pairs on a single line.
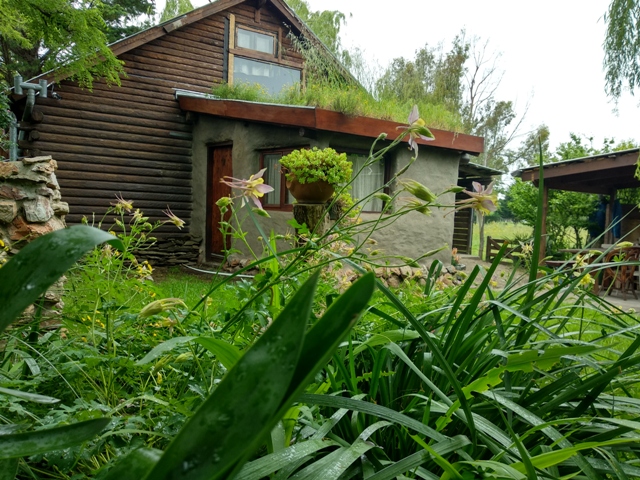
[[596, 164], [542, 253]]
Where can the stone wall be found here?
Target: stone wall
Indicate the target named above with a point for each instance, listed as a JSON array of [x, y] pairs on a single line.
[[30, 206]]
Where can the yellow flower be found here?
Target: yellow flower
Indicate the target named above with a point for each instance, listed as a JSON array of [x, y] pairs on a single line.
[[122, 205], [159, 306], [173, 218], [252, 189], [586, 281], [482, 200]]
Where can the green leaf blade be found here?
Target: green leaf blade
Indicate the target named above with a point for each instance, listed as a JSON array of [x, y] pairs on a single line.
[[38, 265]]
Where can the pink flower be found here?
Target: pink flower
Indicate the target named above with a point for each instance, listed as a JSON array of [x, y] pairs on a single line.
[[254, 188], [482, 200], [417, 129]]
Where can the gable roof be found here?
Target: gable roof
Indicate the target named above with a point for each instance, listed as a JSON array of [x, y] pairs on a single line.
[[145, 36], [216, 6]]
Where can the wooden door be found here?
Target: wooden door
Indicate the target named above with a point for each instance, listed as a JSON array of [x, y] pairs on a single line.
[[219, 165]]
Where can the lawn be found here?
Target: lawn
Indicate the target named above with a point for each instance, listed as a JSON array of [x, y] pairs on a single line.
[[503, 230], [294, 375]]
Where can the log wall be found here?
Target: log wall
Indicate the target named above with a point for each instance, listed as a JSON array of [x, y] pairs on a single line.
[[134, 140]]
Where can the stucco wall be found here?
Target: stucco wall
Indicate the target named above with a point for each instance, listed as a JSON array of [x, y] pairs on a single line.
[[412, 235]]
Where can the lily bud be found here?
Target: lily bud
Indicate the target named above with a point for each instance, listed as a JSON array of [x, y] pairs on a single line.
[[418, 190]]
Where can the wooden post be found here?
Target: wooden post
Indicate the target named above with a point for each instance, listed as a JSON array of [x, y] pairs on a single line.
[[314, 215], [608, 236], [543, 233]]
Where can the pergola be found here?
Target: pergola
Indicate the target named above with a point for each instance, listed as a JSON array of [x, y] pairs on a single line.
[[603, 174]]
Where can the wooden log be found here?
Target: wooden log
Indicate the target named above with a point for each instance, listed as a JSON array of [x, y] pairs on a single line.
[[129, 94], [313, 215], [62, 157], [124, 144], [163, 196], [182, 54], [132, 113], [61, 114], [102, 131], [188, 71], [142, 203], [184, 47], [36, 115], [120, 181], [107, 189], [121, 170], [185, 76], [143, 80], [116, 99], [178, 81], [124, 153]]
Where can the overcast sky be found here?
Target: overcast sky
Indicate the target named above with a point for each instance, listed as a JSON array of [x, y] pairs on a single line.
[[551, 53]]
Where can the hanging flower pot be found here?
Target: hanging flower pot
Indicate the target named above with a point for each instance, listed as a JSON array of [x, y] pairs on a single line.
[[313, 174]]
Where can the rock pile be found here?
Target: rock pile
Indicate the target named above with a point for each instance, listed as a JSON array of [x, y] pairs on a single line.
[[30, 206]]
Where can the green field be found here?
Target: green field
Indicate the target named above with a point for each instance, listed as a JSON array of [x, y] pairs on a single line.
[[503, 230]]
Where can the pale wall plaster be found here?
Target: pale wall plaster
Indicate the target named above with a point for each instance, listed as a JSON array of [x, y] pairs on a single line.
[[412, 235]]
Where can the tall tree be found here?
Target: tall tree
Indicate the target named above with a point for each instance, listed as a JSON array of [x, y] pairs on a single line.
[[324, 24], [463, 81], [622, 47], [71, 35], [434, 76], [173, 8]]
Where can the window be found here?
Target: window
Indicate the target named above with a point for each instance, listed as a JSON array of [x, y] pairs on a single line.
[[280, 198], [255, 56], [260, 42], [370, 180], [272, 77]]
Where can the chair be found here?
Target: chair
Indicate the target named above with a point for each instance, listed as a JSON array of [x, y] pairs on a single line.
[[619, 273]]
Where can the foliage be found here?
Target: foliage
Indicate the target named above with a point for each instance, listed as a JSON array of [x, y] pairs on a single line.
[[313, 165], [324, 24], [462, 81], [122, 17], [433, 77], [569, 214], [622, 47], [536, 380], [173, 8], [40, 35], [350, 100]]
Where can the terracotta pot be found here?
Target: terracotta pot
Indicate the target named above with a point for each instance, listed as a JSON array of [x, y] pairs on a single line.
[[316, 192]]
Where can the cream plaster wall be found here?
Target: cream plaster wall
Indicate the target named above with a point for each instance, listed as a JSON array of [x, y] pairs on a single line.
[[412, 235]]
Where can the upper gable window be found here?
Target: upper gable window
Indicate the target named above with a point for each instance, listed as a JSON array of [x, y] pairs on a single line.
[[252, 40]]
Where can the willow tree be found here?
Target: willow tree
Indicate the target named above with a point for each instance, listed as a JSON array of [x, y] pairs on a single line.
[[622, 47]]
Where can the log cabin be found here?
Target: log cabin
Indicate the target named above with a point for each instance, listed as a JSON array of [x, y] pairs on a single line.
[[161, 140]]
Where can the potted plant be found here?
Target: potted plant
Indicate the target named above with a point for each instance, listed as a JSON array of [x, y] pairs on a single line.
[[312, 174]]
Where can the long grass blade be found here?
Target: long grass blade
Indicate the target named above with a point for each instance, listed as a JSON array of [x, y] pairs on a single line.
[[38, 265], [41, 441]]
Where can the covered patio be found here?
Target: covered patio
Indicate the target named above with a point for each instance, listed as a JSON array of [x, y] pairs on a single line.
[[600, 174]]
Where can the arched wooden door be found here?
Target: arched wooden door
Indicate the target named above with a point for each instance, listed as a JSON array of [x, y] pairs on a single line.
[[219, 165]]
